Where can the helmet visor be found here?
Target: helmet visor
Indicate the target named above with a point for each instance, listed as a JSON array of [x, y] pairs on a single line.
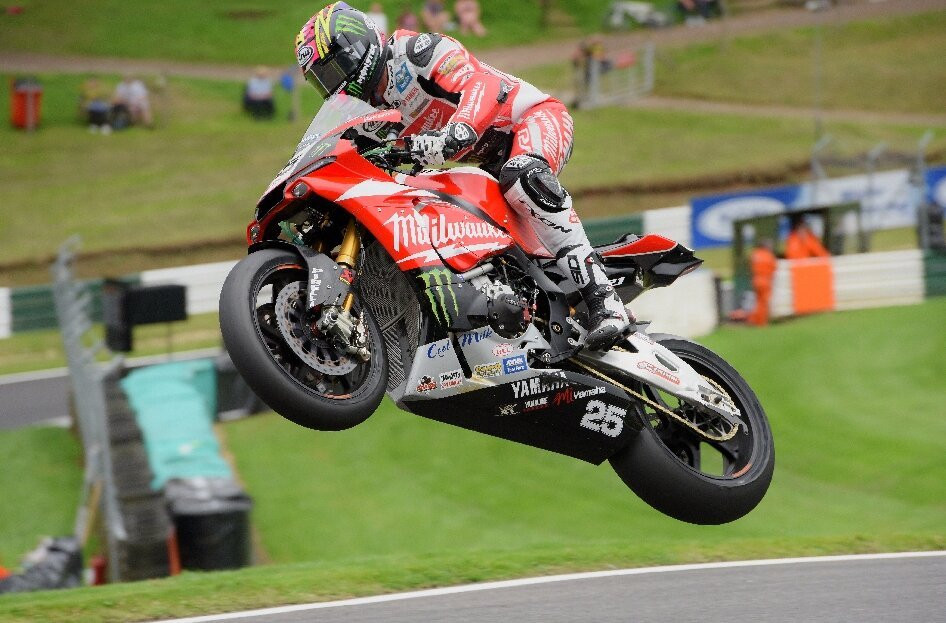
[[327, 75]]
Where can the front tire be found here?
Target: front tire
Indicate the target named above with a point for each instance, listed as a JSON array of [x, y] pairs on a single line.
[[310, 384], [681, 475]]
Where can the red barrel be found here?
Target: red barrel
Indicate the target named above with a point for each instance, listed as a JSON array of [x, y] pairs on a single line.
[[26, 99]]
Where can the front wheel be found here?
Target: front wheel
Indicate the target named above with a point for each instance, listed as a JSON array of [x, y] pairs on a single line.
[[278, 350], [683, 475]]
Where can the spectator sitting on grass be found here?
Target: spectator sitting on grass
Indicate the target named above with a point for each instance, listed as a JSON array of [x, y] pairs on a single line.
[[435, 16], [407, 20], [468, 16], [131, 94], [94, 106], [376, 14], [258, 95]]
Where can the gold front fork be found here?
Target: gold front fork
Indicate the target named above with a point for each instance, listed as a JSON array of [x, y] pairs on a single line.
[[348, 256]]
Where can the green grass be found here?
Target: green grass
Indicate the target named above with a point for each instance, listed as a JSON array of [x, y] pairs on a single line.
[[198, 176], [207, 31], [41, 481], [400, 502], [890, 65]]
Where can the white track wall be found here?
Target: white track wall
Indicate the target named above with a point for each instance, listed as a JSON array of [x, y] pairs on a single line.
[[6, 313], [862, 280], [203, 282], [687, 307]]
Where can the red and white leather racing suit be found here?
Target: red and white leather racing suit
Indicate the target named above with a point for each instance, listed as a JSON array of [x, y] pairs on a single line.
[[513, 130]]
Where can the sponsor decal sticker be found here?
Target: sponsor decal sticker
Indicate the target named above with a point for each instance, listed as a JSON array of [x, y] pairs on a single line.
[[426, 384], [438, 349], [453, 378], [536, 386], [450, 64], [402, 78], [649, 367], [510, 409], [535, 404], [440, 281], [475, 337], [422, 43], [418, 230], [569, 395], [502, 349], [488, 370], [304, 55], [512, 365]]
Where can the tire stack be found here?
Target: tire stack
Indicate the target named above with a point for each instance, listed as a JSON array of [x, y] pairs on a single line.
[[145, 552]]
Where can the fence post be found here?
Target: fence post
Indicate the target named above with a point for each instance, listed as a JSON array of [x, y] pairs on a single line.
[[73, 303]]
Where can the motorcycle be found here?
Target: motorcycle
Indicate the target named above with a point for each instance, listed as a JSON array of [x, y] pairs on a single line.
[[364, 279]]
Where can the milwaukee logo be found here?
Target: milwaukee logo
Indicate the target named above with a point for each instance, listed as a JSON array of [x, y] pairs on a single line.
[[417, 229]]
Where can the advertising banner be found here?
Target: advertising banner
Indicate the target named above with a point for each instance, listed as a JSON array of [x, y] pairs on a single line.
[[712, 216], [888, 198], [936, 184]]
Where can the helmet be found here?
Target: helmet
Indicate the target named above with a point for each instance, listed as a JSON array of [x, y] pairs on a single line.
[[340, 50]]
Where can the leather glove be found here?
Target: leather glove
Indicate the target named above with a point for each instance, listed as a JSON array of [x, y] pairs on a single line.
[[434, 147]]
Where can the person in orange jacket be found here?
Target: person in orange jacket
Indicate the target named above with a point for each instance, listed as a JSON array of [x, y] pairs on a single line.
[[762, 263], [802, 242]]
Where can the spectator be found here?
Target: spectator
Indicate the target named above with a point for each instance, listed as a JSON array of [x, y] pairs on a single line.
[[435, 16], [131, 97], [94, 106], [407, 20], [258, 95], [468, 16], [762, 264], [698, 11], [377, 15], [802, 242]]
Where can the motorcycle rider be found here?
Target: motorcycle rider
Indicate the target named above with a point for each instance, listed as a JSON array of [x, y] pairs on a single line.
[[455, 107]]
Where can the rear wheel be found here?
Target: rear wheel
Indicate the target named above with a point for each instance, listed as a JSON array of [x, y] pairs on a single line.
[[288, 363], [681, 473]]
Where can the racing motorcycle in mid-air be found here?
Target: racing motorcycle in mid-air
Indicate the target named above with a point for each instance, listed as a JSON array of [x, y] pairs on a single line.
[[364, 278]]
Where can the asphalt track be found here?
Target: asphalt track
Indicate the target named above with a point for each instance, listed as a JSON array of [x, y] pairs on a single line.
[[886, 588]]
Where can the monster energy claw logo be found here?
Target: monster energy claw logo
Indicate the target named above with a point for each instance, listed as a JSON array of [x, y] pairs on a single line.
[[349, 24], [442, 280]]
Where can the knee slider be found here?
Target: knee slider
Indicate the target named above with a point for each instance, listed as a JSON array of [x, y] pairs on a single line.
[[529, 177]]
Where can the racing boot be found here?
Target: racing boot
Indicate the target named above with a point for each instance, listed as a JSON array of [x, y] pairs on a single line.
[[608, 319]]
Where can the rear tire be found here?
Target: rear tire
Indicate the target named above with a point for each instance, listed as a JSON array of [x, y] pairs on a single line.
[[306, 396], [664, 465]]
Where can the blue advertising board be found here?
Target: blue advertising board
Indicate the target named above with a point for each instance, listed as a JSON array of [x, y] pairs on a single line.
[[936, 185], [713, 216]]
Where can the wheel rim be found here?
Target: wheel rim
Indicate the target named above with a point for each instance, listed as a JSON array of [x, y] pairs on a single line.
[[712, 459], [277, 302]]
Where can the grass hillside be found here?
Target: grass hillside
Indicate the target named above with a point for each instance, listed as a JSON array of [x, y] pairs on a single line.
[[242, 32], [198, 175], [889, 65], [856, 405]]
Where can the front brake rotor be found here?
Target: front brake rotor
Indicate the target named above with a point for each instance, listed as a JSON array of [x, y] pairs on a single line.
[[310, 346]]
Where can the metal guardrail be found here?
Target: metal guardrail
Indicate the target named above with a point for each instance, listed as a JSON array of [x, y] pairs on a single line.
[[73, 302]]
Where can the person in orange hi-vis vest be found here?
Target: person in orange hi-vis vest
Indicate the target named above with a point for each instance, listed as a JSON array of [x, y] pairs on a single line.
[[802, 242], [762, 264]]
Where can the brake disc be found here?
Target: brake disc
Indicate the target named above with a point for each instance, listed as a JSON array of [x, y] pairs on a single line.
[[311, 347]]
